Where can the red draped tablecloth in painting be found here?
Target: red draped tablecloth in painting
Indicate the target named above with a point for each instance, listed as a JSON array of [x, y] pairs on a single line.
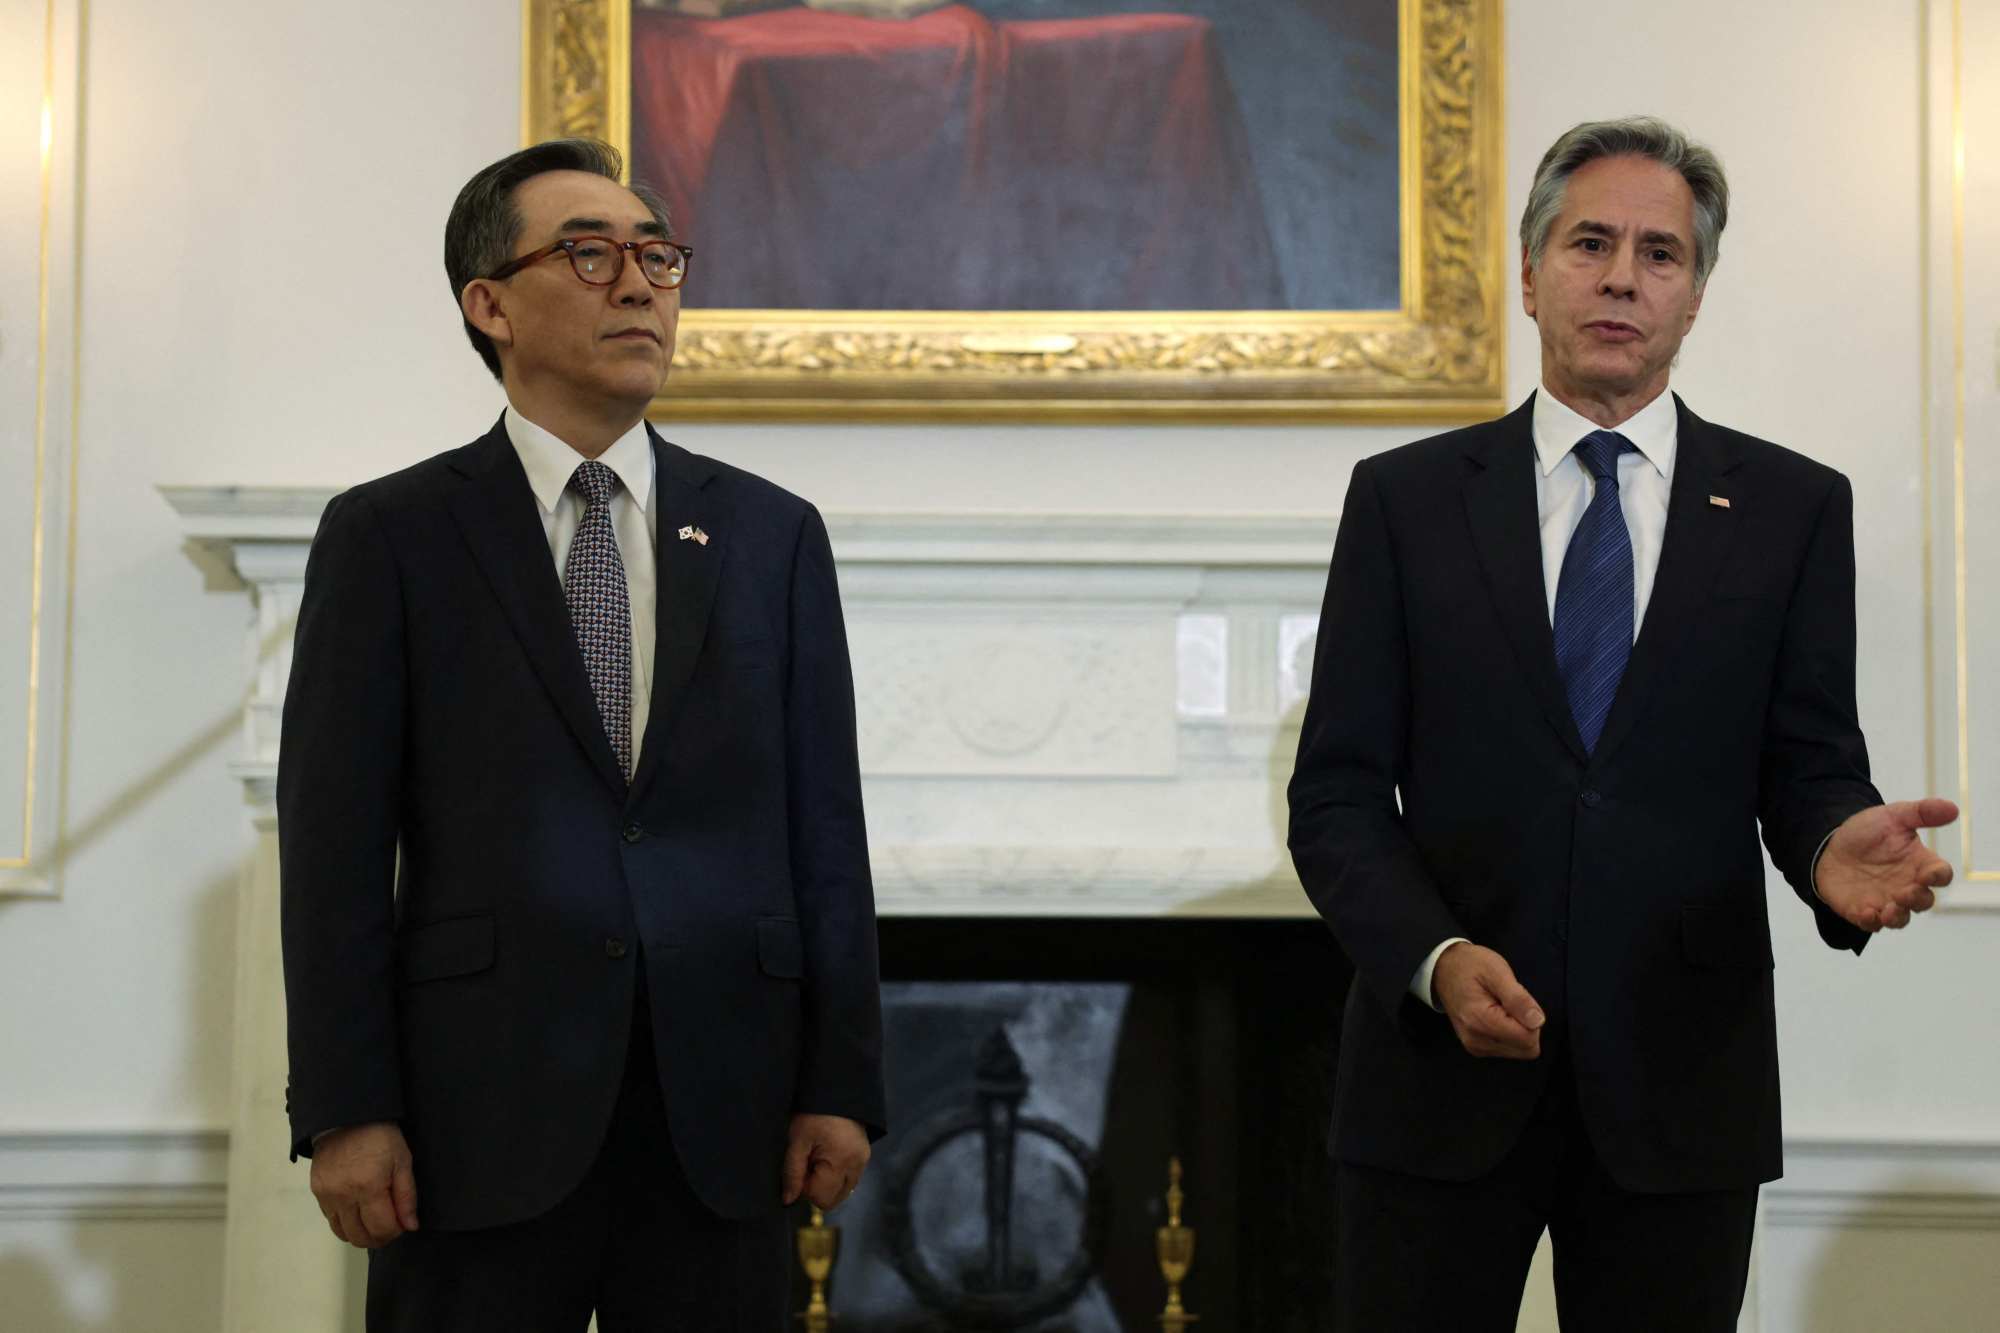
[[824, 161]]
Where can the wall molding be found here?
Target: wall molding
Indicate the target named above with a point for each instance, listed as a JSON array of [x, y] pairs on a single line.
[[180, 1175], [41, 320], [1012, 880], [1921, 1184], [226, 515], [113, 1175], [1957, 414]]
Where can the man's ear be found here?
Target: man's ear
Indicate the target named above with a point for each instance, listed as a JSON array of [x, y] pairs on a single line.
[[480, 301], [1527, 283], [1694, 307]]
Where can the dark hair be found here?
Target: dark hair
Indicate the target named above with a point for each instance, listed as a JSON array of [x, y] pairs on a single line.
[[484, 225], [1635, 136]]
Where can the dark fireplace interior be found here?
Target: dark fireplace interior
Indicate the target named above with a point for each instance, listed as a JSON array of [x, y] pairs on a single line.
[[1041, 1074]]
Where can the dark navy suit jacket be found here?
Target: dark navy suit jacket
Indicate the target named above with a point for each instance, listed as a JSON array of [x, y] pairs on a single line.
[[1442, 790], [469, 887]]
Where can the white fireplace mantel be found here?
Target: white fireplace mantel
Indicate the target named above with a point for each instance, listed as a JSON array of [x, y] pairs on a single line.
[[1061, 714], [1084, 715]]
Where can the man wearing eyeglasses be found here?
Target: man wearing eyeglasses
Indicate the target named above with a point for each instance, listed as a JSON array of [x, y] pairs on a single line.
[[579, 937]]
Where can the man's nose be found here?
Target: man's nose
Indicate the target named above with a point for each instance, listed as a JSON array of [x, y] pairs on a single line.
[[1621, 275], [631, 288]]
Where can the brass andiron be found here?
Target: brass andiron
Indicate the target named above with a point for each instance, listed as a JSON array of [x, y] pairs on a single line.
[[1176, 1247], [818, 1243]]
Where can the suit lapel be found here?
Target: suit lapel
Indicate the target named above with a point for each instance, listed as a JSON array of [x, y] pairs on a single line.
[[1697, 540], [687, 572], [496, 514], [1500, 506]]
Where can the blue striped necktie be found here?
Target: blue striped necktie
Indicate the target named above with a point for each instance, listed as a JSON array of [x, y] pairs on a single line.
[[1594, 598]]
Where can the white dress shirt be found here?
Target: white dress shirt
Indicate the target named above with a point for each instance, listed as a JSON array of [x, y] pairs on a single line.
[[1564, 489], [635, 521]]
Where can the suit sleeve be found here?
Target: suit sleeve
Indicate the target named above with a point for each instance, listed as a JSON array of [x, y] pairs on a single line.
[[1354, 856], [841, 1072], [1815, 762], [339, 764]]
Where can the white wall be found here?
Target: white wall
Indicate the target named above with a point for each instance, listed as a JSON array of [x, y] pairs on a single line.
[[264, 192]]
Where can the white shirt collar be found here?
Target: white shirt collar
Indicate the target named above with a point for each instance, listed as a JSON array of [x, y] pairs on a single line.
[[1654, 430], [550, 463]]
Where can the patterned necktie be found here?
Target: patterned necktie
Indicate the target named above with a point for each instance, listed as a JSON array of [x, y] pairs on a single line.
[[599, 609], [1593, 624]]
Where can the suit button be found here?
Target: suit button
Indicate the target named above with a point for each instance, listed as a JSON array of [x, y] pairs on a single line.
[[1590, 798], [614, 947], [633, 833]]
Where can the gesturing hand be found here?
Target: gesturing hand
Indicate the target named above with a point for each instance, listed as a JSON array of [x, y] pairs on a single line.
[[824, 1160], [361, 1176], [1876, 871], [1491, 1012]]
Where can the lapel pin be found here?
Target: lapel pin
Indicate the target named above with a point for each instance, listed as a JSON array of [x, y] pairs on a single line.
[[1719, 501], [694, 534]]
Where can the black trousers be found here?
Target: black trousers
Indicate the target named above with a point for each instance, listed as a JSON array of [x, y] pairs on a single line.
[[1419, 1256], [631, 1243]]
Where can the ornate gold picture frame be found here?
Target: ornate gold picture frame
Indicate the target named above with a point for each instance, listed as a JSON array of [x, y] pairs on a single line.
[[1438, 357]]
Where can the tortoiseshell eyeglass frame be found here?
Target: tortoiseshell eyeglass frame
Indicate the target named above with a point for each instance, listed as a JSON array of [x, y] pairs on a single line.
[[568, 246]]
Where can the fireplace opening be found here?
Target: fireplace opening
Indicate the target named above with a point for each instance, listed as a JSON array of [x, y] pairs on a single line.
[[1042, 1073]]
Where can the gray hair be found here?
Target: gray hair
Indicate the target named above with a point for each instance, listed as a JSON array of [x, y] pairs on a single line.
[[484, 225], [1634, 136]]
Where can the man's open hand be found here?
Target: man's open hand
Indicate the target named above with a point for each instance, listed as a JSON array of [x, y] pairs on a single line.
[[1491, 1012], [824, 1160], [1876, 872], [361, 1176]]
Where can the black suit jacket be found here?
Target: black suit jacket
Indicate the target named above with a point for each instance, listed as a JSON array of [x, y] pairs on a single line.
[[1625, 887], [439, 731]]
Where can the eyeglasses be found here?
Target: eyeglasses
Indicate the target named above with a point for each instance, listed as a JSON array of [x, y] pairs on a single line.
[[598, 260]]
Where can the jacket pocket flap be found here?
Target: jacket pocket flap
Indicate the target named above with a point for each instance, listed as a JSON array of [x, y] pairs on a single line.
[[779, 950], [454, 947], [1725, 937]]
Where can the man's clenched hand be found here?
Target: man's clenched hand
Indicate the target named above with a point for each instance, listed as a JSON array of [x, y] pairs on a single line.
[[824, 1160], [362, 1178], [1491, 1012]]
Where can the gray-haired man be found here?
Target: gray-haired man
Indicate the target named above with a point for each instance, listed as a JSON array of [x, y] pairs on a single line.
[[1570, 662]]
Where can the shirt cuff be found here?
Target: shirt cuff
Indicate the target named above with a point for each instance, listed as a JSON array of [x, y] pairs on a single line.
[[1812, 875], [1420, 984]]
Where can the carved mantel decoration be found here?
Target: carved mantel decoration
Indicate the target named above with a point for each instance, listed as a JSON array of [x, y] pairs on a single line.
[[1437, 356], [1059, 715]]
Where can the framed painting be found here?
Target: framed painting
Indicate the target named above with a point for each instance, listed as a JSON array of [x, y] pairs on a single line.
[[1058, 209]]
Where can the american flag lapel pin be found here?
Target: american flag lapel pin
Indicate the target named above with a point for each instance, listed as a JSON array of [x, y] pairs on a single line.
[[691, 533], [1719, 501]]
